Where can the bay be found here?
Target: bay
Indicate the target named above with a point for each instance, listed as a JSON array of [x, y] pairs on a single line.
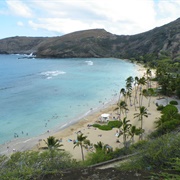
[[38, 95]]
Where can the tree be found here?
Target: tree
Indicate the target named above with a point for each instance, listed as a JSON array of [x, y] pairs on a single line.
[[129, 82], [122, 92], [134, 131], [169, 113], [83, 142], [142, 113], [122, 107], [125, 130], [99, 146], [141, 83], [150, 94], [148, 74], [144, 93], [136, 79], [103, 148], [52, 143]]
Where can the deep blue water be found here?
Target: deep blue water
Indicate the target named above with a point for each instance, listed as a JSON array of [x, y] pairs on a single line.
[[41, 94]]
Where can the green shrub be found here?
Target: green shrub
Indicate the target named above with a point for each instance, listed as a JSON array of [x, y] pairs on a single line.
[[170, 125], [102, 127], [33, 165], [173, 102], [96, 125], [138, 145], [105, 127], [171, 173], [109, 126], [155, 134], [156, 154], [160, 107], [97, 157], [115, 124], [170, 109]]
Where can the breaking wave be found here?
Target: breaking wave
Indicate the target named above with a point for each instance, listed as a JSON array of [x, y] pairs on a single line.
[[51, 74], [90, 63]]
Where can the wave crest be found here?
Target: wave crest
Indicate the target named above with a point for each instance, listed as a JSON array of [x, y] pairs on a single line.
[[90, 63], [51, 74]]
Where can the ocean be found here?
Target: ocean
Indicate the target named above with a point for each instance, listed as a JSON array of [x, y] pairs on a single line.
[[40, 95]]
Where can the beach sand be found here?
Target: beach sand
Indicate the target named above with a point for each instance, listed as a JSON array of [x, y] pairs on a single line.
[[95, 135], [69, 133]]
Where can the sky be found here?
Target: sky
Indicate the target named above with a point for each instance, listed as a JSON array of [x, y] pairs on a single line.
[[49, 18]]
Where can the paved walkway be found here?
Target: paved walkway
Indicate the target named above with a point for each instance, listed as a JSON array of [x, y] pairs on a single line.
[[165, 100]]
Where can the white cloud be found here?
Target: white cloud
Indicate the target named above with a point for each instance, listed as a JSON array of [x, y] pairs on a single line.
[[60, 25], [19, 8], [19, 23], [115, 16]]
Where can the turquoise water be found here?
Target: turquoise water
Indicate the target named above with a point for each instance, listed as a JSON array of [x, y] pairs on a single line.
[[37, 95]]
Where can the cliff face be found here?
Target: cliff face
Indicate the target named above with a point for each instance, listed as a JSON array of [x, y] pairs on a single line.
[[100, 43], [20, 45]]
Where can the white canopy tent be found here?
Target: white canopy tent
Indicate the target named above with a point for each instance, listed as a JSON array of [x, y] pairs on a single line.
[[105, 117]]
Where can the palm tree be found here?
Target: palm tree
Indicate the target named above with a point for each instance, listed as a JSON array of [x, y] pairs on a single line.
[[148, 74], [141, 82], [143, 93], [99, 146], [142, 113], [129, 93], [150, 94], [82, 141], [52, 143], [136, 89], [139, 133], [125, 130], [129, 82], [132, 132], [122, 108], [123, 92]]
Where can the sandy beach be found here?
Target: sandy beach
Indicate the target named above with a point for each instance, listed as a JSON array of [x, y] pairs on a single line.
[[107, 137], [69, 133]]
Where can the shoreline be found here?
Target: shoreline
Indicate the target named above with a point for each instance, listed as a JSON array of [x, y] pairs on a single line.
[[68, 130], [28, 143], [22, 144]]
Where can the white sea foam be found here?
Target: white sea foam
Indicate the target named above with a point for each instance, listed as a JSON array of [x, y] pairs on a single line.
[[51, 74], [90, 63]]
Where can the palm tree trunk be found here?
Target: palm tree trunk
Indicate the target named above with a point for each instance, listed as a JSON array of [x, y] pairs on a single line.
[[141, 100], [124, 140], [149, 101], [82, 153], [141, 122]]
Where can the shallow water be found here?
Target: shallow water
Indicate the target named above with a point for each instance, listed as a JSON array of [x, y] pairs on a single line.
[[37, 95]]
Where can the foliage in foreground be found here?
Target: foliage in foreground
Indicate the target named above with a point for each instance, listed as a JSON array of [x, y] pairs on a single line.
[[156, 154], [170, 173], [97, 157], [101, 155], [33, 165]]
